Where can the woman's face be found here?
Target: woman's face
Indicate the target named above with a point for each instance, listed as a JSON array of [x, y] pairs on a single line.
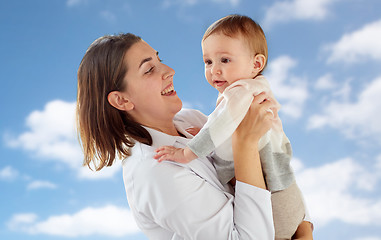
[[150, 87]]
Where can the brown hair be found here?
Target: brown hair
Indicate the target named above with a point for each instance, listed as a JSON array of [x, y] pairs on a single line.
[[233, 25], [104, 131]]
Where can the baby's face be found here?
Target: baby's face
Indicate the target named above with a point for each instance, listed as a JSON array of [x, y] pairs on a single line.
[[227, 60]]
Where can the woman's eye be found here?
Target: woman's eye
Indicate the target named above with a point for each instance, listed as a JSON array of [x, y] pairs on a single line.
[[225, 60], [149, 70]]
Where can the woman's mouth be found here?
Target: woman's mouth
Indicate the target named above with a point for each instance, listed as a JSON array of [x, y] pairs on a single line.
[[170, 90]]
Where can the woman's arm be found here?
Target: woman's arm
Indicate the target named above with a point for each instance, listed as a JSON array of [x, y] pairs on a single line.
[[258, 121], [248, 168]]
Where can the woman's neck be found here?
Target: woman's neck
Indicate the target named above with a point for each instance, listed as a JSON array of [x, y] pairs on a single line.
[[161, 124], [167, 127], [170, 130]]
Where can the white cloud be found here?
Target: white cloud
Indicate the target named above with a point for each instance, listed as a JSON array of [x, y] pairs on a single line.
[[357, 117], [286, 11], [368, 238], [37, 184], [358, 45], [106, 172], [51, 135], [290, 90], [20, 221], [188, 3], [329, 193], [233, 3], [204, 108], [109, 221], [108, 16], [8, 173], [325, 82], [72, 3]]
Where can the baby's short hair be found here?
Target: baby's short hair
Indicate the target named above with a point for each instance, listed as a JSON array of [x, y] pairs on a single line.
[[233, 25]]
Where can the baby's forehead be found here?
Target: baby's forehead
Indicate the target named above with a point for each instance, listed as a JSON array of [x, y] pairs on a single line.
[[220, 44], [246, 40]]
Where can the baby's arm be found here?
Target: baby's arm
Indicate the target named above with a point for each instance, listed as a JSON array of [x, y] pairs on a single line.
[[180, 155]]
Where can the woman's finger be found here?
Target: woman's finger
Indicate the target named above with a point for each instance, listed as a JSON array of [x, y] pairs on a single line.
[[261, 97]]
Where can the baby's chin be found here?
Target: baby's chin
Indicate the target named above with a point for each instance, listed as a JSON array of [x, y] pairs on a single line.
[[222, 86]]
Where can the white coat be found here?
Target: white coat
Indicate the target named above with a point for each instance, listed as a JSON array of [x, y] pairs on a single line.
[[186, 201]]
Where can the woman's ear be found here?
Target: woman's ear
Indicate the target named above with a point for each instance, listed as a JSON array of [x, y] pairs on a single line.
[[259, 62], [119, 101]]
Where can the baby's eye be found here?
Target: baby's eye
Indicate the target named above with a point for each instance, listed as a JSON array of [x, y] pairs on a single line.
[[225, 60], [207, 62]]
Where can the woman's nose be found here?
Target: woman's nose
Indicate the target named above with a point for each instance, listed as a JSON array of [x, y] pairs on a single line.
[[168, 72]]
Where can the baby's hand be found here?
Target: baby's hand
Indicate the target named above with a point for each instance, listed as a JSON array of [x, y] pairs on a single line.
[[193, 130], [171, 153]]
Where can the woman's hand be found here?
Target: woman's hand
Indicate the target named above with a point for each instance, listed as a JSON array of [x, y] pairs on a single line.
[[257, 122]]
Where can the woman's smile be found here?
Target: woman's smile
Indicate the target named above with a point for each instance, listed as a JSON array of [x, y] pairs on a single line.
[[169, 91]]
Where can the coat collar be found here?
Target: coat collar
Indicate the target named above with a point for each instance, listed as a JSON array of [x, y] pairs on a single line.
[[201, 166]]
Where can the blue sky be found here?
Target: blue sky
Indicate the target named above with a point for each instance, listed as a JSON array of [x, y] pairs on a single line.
[[324, 68]]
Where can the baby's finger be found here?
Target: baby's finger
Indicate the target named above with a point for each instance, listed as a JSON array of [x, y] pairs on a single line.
[[162, 148], [158, 155], [165, 157], [162, 158], [163, 152], [159, 149]]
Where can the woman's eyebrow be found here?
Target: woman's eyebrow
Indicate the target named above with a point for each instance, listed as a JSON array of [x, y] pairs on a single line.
[[144, 61], [147, 60]]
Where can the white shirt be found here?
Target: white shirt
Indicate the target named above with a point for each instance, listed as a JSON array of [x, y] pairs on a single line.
[[186, 201]]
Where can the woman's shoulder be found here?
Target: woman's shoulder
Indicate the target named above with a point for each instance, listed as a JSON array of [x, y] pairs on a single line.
[[144, 170], [191, 116], [148, 181]]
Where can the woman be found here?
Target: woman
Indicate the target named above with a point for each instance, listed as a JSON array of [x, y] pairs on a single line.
[[127, 106]]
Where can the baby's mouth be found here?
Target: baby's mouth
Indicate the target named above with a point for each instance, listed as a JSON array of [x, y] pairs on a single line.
[[168, 91], [219, 83]]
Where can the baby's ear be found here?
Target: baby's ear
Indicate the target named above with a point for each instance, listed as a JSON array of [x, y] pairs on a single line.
[[259, 62]]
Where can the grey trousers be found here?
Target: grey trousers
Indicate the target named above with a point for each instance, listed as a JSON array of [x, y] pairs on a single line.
[[288, 211]]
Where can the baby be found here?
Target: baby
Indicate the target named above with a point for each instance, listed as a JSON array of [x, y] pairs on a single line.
[[235, 54]]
